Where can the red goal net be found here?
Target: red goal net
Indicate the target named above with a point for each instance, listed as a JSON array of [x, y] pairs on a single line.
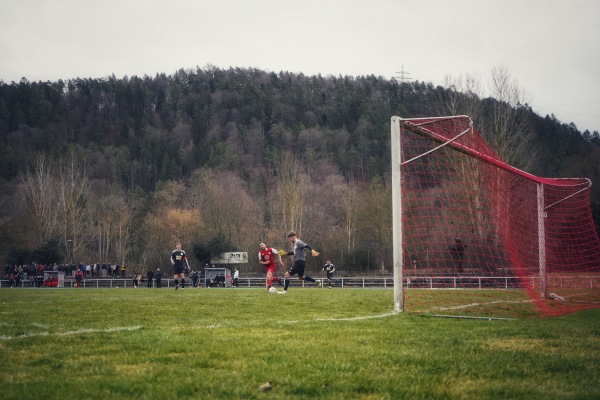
[[481, 238]]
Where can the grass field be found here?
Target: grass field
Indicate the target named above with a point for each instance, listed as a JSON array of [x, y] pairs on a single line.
[[311, 343]]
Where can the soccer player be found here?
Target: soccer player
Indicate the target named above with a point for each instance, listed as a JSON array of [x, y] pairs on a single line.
[[299, 254], [266, 257], [329, 269], [180, 262]]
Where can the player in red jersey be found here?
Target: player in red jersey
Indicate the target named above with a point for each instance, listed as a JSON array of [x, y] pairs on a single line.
[[266, 257]]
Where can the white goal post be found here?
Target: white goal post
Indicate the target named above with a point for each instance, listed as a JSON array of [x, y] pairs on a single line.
[[397, 214]]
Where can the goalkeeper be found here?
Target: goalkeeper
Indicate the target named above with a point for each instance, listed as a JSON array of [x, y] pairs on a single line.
[[299, 254]]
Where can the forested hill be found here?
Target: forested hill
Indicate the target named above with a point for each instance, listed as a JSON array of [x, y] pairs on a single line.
[[138, 132], [142, 130]]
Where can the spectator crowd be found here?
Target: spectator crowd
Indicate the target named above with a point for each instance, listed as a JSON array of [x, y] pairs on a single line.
[[34, 275]]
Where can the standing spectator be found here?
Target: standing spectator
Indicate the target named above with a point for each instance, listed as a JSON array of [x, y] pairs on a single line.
[[150, 277], [179, 262], [123, 268], [457, 252], [329, 270], [299, 254], [195, 279], [236, 276], [78, 278], [18, 275], [158, 278], [134, 280]]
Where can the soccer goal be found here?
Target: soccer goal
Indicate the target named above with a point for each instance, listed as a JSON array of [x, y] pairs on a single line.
[[475, 237]]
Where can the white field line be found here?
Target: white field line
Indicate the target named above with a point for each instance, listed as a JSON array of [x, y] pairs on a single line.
[[198, 327], [357, 318], [480, 304], [70, 333], [500, 301], [235, 324]]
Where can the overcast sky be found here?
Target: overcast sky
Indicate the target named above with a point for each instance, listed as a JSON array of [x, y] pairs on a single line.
[[550, 47]]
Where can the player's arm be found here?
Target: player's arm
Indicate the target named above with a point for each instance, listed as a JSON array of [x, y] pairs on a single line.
[[260, 260], [312, 251], [173, 258], [278, 253], [332, 268]]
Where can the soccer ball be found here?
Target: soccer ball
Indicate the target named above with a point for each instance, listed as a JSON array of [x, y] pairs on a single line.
[[272, 289]]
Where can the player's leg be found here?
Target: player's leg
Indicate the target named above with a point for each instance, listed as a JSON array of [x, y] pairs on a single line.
[[269, 279], [286, 281], [182, 279], [301, 274]]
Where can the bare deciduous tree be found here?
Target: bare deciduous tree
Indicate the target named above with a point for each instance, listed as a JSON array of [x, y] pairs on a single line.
[[73, 188], [463, 96], [225, 206], [112, 215], [505, 127], [499, 115], [350, 214], [39, 185], [291, 188], [374, 218]]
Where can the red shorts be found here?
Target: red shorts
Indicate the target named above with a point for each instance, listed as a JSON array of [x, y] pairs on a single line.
[[271, 268]]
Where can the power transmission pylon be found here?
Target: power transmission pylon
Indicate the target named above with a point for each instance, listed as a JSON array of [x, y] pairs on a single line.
[[403, 77]]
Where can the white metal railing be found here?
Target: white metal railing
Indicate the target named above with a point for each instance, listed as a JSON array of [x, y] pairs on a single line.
[[421, 282]]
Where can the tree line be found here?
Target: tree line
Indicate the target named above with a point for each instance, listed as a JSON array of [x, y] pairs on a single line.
[[224, 158]]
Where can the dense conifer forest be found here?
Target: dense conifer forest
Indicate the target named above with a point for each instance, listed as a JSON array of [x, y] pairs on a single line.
[[114, 170]]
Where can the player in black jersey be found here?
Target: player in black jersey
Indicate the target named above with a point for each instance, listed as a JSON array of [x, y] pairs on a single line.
[[180, 262], [329, 269]]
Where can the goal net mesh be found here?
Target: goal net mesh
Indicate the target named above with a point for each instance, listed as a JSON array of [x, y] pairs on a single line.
[[484, 239]]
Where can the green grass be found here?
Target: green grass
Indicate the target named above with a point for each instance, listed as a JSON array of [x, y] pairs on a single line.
[[311, 343]]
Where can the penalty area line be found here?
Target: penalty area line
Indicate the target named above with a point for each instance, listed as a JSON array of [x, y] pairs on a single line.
[[77, 332], [390, 314], [236, 324]]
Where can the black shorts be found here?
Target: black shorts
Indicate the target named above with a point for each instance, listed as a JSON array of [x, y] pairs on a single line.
[[297, 268], [329, 275], [178, 269]]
